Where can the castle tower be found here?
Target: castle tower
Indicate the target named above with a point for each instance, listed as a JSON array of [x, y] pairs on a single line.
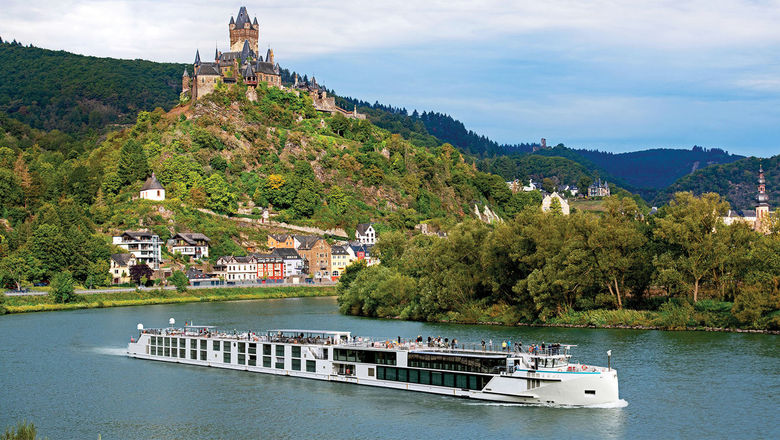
[[185, 81], [243, 29], [762, 209]]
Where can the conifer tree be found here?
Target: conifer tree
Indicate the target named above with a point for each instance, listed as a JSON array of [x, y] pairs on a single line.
[[132, 165]]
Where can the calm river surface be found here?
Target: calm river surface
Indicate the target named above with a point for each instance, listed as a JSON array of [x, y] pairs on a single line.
[[65, 371]]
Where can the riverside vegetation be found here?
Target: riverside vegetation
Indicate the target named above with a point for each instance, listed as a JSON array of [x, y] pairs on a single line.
[[682, 268]]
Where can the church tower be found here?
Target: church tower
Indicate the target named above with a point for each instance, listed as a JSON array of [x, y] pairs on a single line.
[[241, 29], [762, 209]]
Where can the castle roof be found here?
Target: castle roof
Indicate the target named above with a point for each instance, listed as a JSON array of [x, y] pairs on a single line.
[[216, 53], [185, 73], [246, 51], [197, 57], [266, 68], [152, 183], [248, 71], [231, 20], [242, 18], [255, 22], [209, 69]]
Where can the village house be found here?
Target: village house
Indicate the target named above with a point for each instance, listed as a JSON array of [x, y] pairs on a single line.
[[145, 247], [269, 266], [120, 268], [365, 234], [194, 245], [275, 241], [599, 189], [233, 269], [359, 251], [547, 202], [293, 263], [152, 190], [316, 253], [339, 260]]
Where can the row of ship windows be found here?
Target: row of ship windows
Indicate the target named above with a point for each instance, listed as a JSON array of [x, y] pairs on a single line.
[[243, 347], [425, 377], [241, 359]]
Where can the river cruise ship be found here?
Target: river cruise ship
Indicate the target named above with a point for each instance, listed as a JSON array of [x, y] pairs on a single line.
[[513, 374]]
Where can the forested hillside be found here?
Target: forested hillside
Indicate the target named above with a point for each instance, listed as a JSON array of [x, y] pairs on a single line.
[[50, 89], [656, 168], [736, 181]]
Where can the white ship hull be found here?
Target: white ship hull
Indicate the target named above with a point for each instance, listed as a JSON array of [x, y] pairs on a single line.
[[521, 382]]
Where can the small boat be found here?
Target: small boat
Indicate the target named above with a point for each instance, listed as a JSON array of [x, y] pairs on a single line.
[[541, 374]]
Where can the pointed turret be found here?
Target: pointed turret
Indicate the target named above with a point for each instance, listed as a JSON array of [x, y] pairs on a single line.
[[231, 20], [246, 51], [762, 198], [216, 53], [185, 74], [269, 56], [277, 69], [197, 57], [254, 23], [242, 20], [248, 72]]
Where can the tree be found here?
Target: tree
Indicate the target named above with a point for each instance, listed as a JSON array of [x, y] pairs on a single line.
[[15, 268], [132, 165], [687, 226], [98, 275], [180, 280], [139, 272], [10, 190], [63, 287], [220, 196]]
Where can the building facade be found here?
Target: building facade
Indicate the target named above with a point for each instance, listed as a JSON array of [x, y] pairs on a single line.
[[599, 189], [316, 254], [547, 203], [365, 234], [194, 245], [152, 190], [293, 263], [145, 247], [120, 268], [275, 241], [339, 260], [233, 269]]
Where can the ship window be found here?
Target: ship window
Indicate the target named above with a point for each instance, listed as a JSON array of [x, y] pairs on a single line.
[[226, 346], [193, 354], [435, 378], [473, 382], [380, 373], [402, 375], [252, 348], [267, 350], [253, 360], [167, 342], [280, 350], [296, 352], [153, 340], [203, 355], [167, 351], [425, 377], [593, 392], [242, 347], [280, 364], [267, 361], [370, 372], [215, 345], [182, 343], [183, 353], [174, 342], [311, 366], [154, 350], [226, 357], [449, 380], [463, 381], [390, 373], [296, 364], [202, 344], [241, 359], [414, 376]]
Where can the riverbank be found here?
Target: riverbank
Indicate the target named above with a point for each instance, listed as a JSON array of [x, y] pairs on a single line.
[[26, 304]]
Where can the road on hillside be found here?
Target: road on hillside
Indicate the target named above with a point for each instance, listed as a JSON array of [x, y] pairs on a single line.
[[132, 289]]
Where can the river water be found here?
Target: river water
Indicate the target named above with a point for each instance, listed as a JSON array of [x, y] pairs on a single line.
[[66, 372]]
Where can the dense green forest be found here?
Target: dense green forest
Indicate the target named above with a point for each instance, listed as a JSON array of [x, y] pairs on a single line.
[[736, 181], [680, 268], [49, 89]]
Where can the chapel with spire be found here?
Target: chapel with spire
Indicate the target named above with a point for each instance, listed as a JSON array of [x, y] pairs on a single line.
[[243, 61]]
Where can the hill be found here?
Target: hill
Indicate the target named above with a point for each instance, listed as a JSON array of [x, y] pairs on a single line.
[[736, 181], [656, 168], [49, 89]]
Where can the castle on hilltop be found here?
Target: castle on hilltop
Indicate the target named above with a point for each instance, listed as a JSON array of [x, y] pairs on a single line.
[[241, 61], [244, 61]]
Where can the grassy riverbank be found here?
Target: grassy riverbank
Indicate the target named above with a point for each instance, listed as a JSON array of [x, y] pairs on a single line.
[[24, 304]]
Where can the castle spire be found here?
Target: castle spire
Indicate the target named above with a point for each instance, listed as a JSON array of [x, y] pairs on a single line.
[[254, 23], [762, 198], [197, 57], [216, 53], [185, 74]]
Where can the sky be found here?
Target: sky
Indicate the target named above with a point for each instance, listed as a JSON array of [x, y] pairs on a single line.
[[603, 74]]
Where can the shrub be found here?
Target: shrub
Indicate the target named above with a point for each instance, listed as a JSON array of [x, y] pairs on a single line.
[[62, 288]]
